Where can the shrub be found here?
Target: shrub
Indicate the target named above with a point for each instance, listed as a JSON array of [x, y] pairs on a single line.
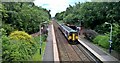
[[8, 28], [116, 38], [2, 31], [96, 39], [18, 48], [116, 42], [20, 35], [16, 51], [102, 41], [44, 37]]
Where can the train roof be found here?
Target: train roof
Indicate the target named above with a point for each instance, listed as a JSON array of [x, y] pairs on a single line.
[[68, 28]]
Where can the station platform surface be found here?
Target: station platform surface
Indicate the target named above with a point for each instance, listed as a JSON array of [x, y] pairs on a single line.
[[48, 55], [100, 52]]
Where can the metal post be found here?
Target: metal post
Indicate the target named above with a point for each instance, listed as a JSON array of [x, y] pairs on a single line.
[[80, 22], [111, 32], [110, 41], [110, 47], [40, 41], [40, 37]]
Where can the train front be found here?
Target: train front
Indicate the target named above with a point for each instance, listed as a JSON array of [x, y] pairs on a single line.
[[73, 37]]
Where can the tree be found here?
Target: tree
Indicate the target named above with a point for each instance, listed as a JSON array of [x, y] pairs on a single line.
[[24, 16]]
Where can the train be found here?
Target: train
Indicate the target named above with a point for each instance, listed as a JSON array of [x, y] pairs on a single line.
[[70, 34]]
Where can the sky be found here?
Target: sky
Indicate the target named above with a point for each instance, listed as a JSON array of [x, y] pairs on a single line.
[[56, 5]]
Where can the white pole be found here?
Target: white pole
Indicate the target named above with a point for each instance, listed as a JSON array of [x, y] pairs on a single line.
[[40, 41], [110, 39], [111, 32]]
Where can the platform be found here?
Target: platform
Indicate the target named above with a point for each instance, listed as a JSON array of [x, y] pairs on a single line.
[[48, 55], [98, 52], [51, 50]]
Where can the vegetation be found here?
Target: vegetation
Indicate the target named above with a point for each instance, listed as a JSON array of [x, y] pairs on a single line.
[[20, 35], [37, 56], [93, 15], [20, 19], [102, 41], [17, 49], [23, 16], [21, 49]]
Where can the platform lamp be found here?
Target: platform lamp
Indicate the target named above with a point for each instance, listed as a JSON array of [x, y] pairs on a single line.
[[40, 35], [110, 41]]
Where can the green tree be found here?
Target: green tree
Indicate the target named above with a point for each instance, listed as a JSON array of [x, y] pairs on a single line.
[[24, 16]]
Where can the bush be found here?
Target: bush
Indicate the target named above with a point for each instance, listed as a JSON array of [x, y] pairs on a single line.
[[20, 35], [116, 42], [102, 41], [2, 32], [16, 48], [96, 39], [16, 51], [8, 28], [116, 38], [44, 37]]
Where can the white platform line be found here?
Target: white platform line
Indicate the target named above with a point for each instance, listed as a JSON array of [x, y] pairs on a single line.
[[96, 54], [55, 48]]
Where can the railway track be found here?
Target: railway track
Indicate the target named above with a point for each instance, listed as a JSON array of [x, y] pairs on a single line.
[[72, 53]]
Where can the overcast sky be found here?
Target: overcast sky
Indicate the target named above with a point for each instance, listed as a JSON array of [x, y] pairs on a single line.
[[56, 5]]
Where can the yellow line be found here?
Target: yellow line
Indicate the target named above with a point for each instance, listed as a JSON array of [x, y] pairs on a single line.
[[73, 36]]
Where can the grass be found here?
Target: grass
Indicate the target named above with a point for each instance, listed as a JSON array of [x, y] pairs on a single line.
[[37, 56]]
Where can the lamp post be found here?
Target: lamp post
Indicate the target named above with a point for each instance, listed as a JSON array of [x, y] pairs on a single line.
[[40, 36], [40, 40], [110, 41]]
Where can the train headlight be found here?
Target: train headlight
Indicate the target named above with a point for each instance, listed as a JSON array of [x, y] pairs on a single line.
[[69, 37], [76, 37]]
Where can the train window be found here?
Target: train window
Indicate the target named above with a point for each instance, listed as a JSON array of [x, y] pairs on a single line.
[[73, 27]]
